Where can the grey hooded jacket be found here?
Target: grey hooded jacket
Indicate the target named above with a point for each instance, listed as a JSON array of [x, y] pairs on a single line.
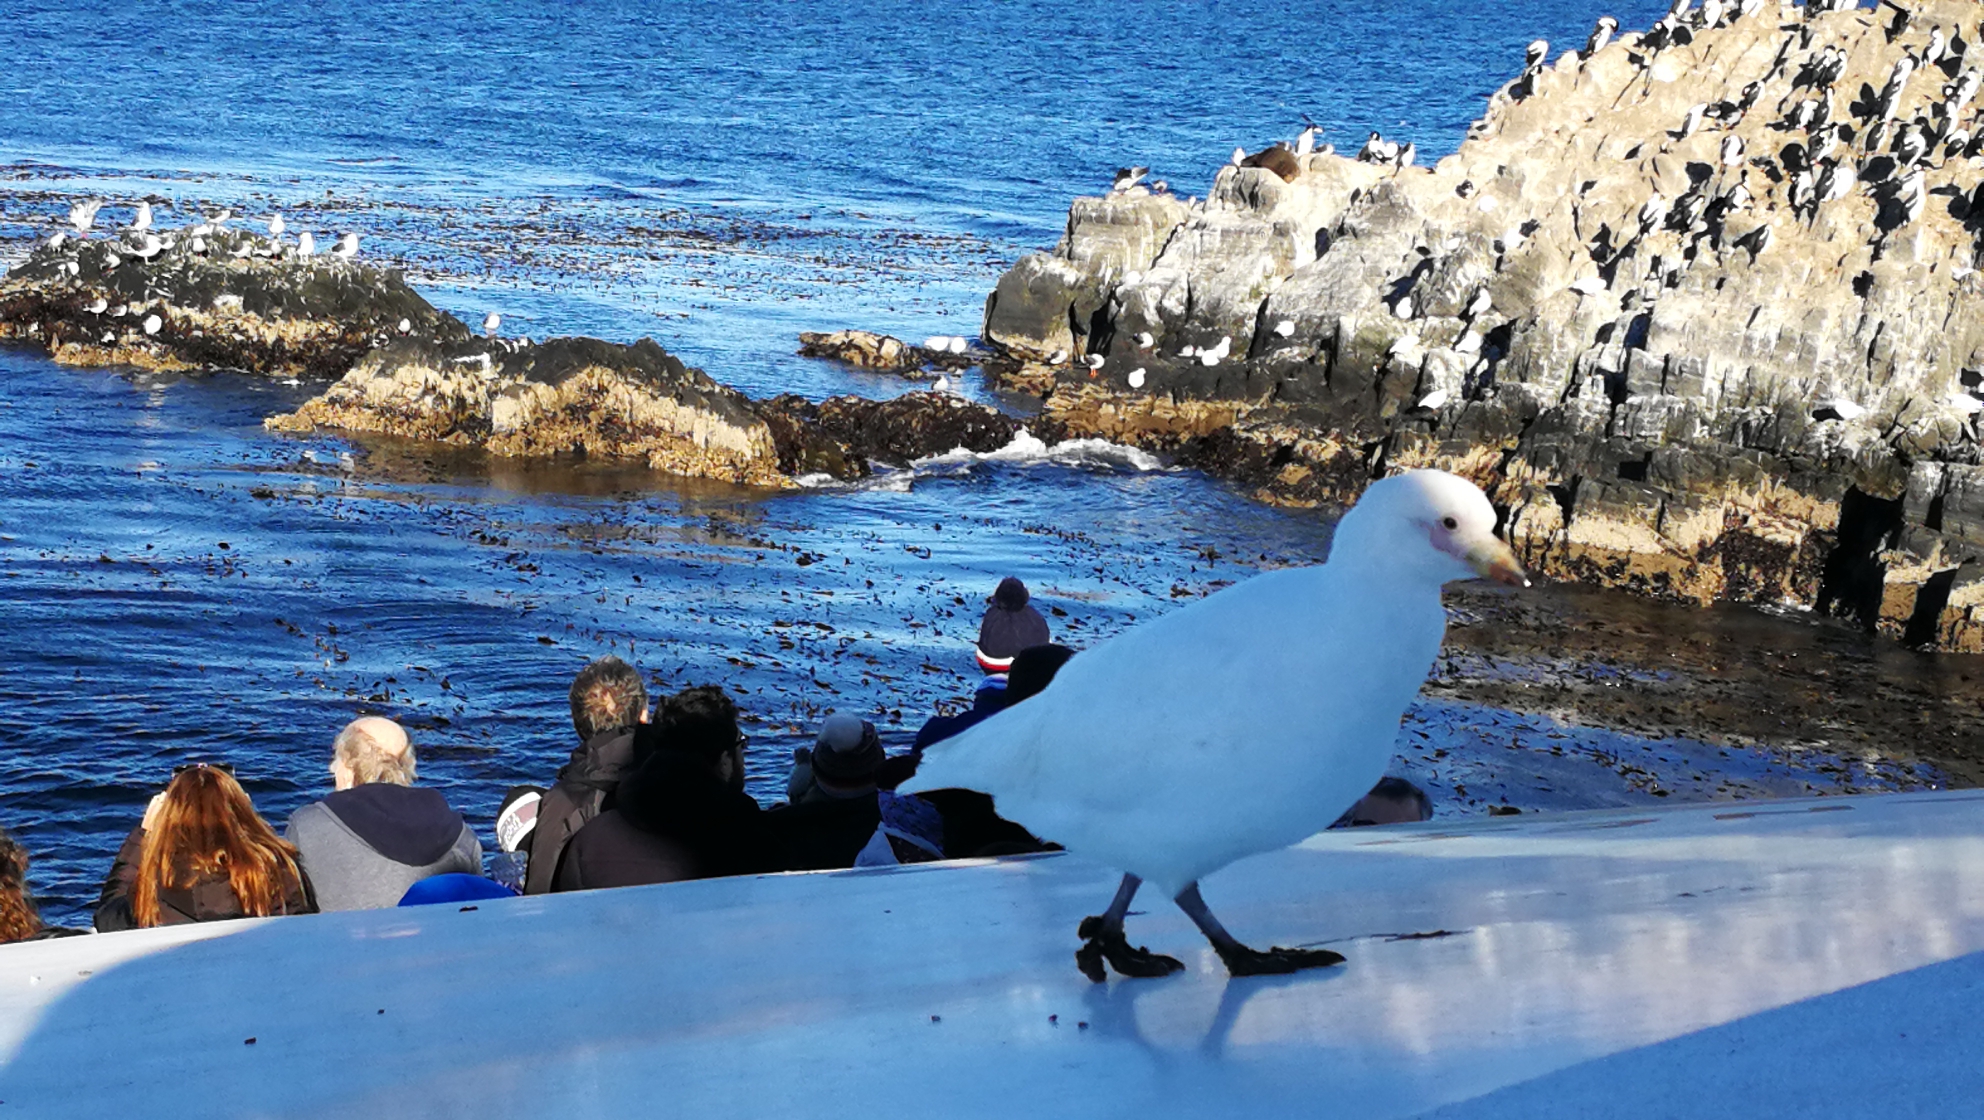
[[363, 847]]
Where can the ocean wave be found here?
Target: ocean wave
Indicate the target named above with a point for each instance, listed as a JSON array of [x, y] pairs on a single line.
[[1027, 449]]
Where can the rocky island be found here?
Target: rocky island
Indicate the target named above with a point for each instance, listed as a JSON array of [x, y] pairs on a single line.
[[214, 296], [1698, 307]]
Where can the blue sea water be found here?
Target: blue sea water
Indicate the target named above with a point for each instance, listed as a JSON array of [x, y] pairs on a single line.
[[176, 583]]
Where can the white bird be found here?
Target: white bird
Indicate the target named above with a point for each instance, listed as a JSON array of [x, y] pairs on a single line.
[[958, 344], [1241, 723], [306, 245], [151, 247], [937, 342], [347, 247], [1588, 286], [56, 241], [144, 219], [1239, 156], [1213, 355], [1058, 357], [1535, 53], [1137, 378], [275, 225], [942, 385], [221, 218], [1285, 328], [152, 324], [1145, 340], [406, 325], [1841, 407], [111, 260], [1403, 308], [491, 323], [1652, 213], [198, 247], [1093, 361], [1692, 121], [1434, 400], [1732, 150], [83, 214], [99, 306], [1600, 35], [1305, 143]]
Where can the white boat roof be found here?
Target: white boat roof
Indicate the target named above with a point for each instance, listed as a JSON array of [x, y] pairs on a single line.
[[1796, 958]]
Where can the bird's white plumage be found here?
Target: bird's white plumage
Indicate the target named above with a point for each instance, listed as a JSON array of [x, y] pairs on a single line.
[[1240, 723]]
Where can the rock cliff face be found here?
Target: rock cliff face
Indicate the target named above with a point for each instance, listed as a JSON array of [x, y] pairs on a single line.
[[1698, 309]]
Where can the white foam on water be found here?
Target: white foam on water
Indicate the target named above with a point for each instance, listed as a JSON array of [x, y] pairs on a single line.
[[1027, 448]]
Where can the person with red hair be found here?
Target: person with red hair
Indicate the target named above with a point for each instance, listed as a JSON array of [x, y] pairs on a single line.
[[19, 919], [202, 854]]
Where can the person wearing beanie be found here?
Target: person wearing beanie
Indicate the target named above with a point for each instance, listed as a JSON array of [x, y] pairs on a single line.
[[842, 764], [1009, 626], [836, 810]]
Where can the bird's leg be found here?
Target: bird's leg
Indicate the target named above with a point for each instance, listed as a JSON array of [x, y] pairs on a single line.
[[1103, 940], [1240, 960]]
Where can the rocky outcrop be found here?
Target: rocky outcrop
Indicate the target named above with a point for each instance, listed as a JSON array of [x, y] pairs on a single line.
[[564, 395], [887, 354], [844, 436], [1699, 311], [227, 298]]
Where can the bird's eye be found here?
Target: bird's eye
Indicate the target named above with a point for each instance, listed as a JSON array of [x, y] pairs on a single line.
[[1450, 523]]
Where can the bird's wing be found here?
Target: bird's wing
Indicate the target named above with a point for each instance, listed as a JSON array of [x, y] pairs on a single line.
[[1259, 679]]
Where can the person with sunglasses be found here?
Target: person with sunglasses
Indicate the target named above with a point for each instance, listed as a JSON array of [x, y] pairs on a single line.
[[202, 854], [681, 811]]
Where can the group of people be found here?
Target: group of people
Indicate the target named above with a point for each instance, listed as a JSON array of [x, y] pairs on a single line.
[[652, 793]]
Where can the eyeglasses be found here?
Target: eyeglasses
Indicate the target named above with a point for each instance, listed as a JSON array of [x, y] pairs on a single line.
[[224, 767]]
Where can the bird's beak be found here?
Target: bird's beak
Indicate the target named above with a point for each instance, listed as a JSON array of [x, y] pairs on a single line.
[[1491, 559]]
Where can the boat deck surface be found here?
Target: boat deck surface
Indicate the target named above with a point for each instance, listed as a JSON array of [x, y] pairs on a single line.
[[1792, 958]]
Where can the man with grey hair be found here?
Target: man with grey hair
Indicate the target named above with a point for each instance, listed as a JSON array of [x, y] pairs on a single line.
[[608, 701], [377, 834]]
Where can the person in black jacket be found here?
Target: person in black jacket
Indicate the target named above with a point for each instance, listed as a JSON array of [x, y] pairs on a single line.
[[609, 702], [681, 811], [834, 812], [972, 826]]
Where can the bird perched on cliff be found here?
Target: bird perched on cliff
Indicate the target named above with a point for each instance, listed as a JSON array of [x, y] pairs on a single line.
[[82, 214], [1535, 53], [1600, 35], [1136, 378], [143, 219], [306, 245], [1127, 177], [276, 225], [1652, 213], [1305, 141], [347, 247], [1407, 153], [1732, 150], [1690, 122], [1239, 724], [1145, 340], [150, 247], [491, 323], [1213, 355], [1093, 362]]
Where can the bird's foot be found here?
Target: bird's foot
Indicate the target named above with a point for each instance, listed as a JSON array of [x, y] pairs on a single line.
[[1242, 961], [1104, 945]]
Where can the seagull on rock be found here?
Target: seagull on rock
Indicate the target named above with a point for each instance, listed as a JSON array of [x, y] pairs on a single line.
[[1239, 724], [491, 323]]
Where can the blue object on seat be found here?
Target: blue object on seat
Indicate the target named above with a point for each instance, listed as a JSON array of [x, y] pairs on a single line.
[[455, 886]]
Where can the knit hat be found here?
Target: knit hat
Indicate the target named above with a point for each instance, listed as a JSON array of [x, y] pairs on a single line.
[[517, 817], [1010, 625], [846, 752]]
